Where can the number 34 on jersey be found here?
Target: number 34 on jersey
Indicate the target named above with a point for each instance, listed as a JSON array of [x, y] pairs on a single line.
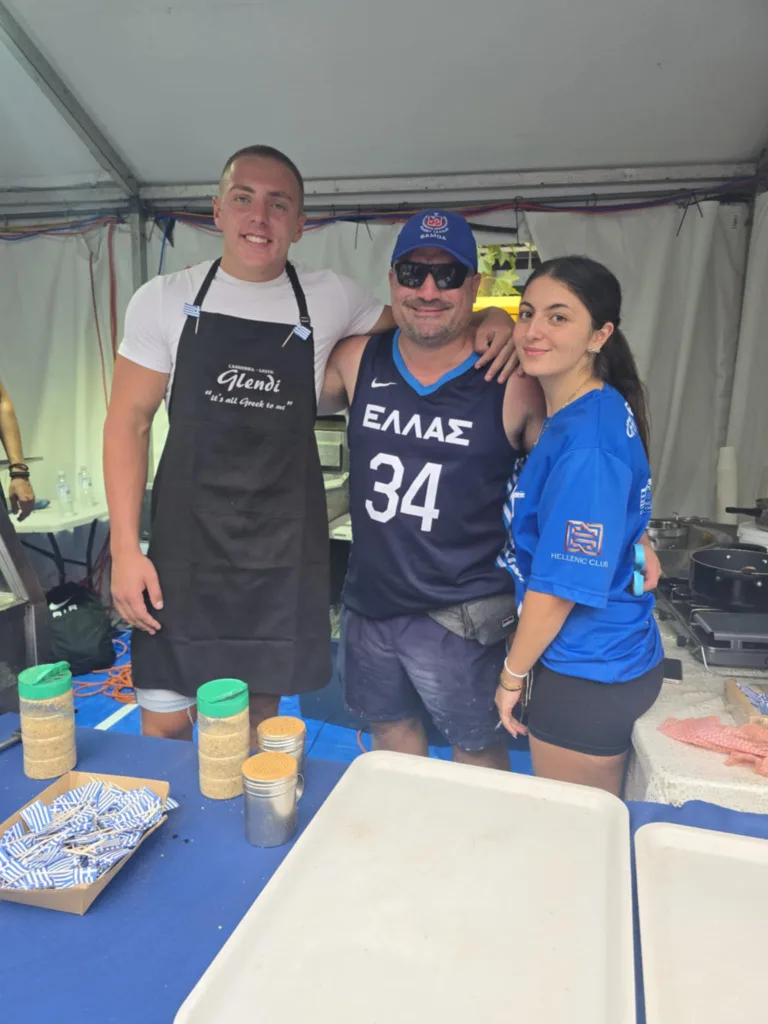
[[422, 488]]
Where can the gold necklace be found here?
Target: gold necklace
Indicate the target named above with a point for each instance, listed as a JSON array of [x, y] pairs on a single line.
[[548, 419]]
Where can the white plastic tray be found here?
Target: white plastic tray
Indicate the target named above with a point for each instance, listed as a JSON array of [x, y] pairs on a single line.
[[703, 923], [428, 891]]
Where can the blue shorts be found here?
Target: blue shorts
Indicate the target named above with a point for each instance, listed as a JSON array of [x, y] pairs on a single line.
[[392, 669]]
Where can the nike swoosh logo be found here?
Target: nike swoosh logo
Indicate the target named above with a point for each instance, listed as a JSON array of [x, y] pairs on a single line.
[[383, 383], [56, 607]]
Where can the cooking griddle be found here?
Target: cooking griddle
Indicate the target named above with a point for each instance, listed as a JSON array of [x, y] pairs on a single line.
[[739, 639], [743, 627]]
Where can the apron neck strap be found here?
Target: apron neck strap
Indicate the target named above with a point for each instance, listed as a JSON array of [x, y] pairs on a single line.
[[293, 277], [207, 283], [298, 291]]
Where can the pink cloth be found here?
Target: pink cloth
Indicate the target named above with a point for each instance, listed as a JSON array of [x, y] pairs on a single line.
[[745, 744]]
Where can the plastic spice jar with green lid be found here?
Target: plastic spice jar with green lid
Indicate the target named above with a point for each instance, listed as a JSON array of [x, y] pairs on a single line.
[[223, 737], [47, 715]]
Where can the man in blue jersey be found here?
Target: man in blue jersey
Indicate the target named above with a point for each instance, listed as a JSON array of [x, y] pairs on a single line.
[[432, 446]]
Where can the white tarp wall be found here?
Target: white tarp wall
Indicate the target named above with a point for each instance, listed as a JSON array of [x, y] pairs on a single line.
[[49, 352], [50, 359], [748, 422], [682, 286]]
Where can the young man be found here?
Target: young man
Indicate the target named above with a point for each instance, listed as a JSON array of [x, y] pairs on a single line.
[[236, 581], [432, 446]]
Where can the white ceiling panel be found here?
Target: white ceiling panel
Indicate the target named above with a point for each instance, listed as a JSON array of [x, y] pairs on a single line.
[[38, 147], [351, 88]]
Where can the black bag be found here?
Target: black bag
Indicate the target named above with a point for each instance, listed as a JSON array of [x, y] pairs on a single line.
[[488, 620], [81, 632]]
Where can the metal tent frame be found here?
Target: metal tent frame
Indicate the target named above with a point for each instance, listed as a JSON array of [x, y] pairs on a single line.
[[136, 200]]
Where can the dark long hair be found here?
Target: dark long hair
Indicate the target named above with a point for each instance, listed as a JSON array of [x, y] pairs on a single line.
[[600, 292]]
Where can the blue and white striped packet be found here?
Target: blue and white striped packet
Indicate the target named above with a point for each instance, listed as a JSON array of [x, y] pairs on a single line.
[[14, 832], [68, 877], [80, 836], [44, 853], [77, 797], [20, 847], [84, 819], [65, 861], [35, 880], [110, 859], [759, 701], [37, 816], [88, 791], [109, 798], [11, 872]]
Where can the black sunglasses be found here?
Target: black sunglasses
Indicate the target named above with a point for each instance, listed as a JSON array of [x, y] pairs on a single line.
[[446, 276]]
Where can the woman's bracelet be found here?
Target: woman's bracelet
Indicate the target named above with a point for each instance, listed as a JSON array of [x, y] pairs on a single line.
[[510, 689], [509, 671], [515, 675]]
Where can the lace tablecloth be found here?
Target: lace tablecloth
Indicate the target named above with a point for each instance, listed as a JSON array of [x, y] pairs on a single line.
[[665, 771]]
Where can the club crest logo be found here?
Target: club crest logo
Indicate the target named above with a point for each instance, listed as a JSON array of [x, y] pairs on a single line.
[[434, 222], [584, 538]]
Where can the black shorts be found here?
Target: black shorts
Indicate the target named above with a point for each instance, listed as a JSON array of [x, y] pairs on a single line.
[[589, 717]]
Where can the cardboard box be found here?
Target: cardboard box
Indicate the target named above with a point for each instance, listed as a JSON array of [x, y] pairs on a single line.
[[77, 899], [740, 706]]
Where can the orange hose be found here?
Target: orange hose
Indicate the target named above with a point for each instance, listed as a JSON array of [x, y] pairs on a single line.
[[118, 685]]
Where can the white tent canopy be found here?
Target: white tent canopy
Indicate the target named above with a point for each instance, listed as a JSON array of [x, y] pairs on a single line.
[[132, 107], [400, 89]]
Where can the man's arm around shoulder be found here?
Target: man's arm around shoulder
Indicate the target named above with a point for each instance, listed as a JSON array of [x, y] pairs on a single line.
[[341, 372], [524, 411]]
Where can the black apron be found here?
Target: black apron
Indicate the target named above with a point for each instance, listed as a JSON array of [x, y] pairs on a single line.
[[239, 532]]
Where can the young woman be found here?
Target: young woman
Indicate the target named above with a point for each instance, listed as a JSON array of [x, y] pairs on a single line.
[[588, 650]]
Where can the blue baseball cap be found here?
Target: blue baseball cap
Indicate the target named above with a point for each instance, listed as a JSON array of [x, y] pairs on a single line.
[[438, 229]]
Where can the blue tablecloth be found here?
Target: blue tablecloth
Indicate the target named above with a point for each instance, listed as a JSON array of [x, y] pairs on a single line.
[[136, 954], [141, 947]]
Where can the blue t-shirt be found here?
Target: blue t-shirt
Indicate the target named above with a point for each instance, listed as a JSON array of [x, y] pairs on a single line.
[[580, 504]]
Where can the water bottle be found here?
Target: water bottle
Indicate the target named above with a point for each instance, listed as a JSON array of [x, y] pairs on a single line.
[[64, 496], [85, 487]]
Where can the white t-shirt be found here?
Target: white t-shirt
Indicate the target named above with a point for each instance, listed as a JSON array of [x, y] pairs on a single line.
[[338, 307]]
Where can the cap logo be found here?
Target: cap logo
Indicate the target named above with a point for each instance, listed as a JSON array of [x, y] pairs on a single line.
[[434, 222]]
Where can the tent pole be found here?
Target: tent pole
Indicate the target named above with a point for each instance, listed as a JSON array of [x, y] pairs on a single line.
[[138, 225], [421, 189]]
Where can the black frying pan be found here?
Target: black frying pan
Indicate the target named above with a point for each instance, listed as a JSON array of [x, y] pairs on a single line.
[[731, 577]]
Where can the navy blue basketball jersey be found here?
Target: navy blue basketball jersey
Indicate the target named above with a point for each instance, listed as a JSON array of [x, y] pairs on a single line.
[[428, 472]]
